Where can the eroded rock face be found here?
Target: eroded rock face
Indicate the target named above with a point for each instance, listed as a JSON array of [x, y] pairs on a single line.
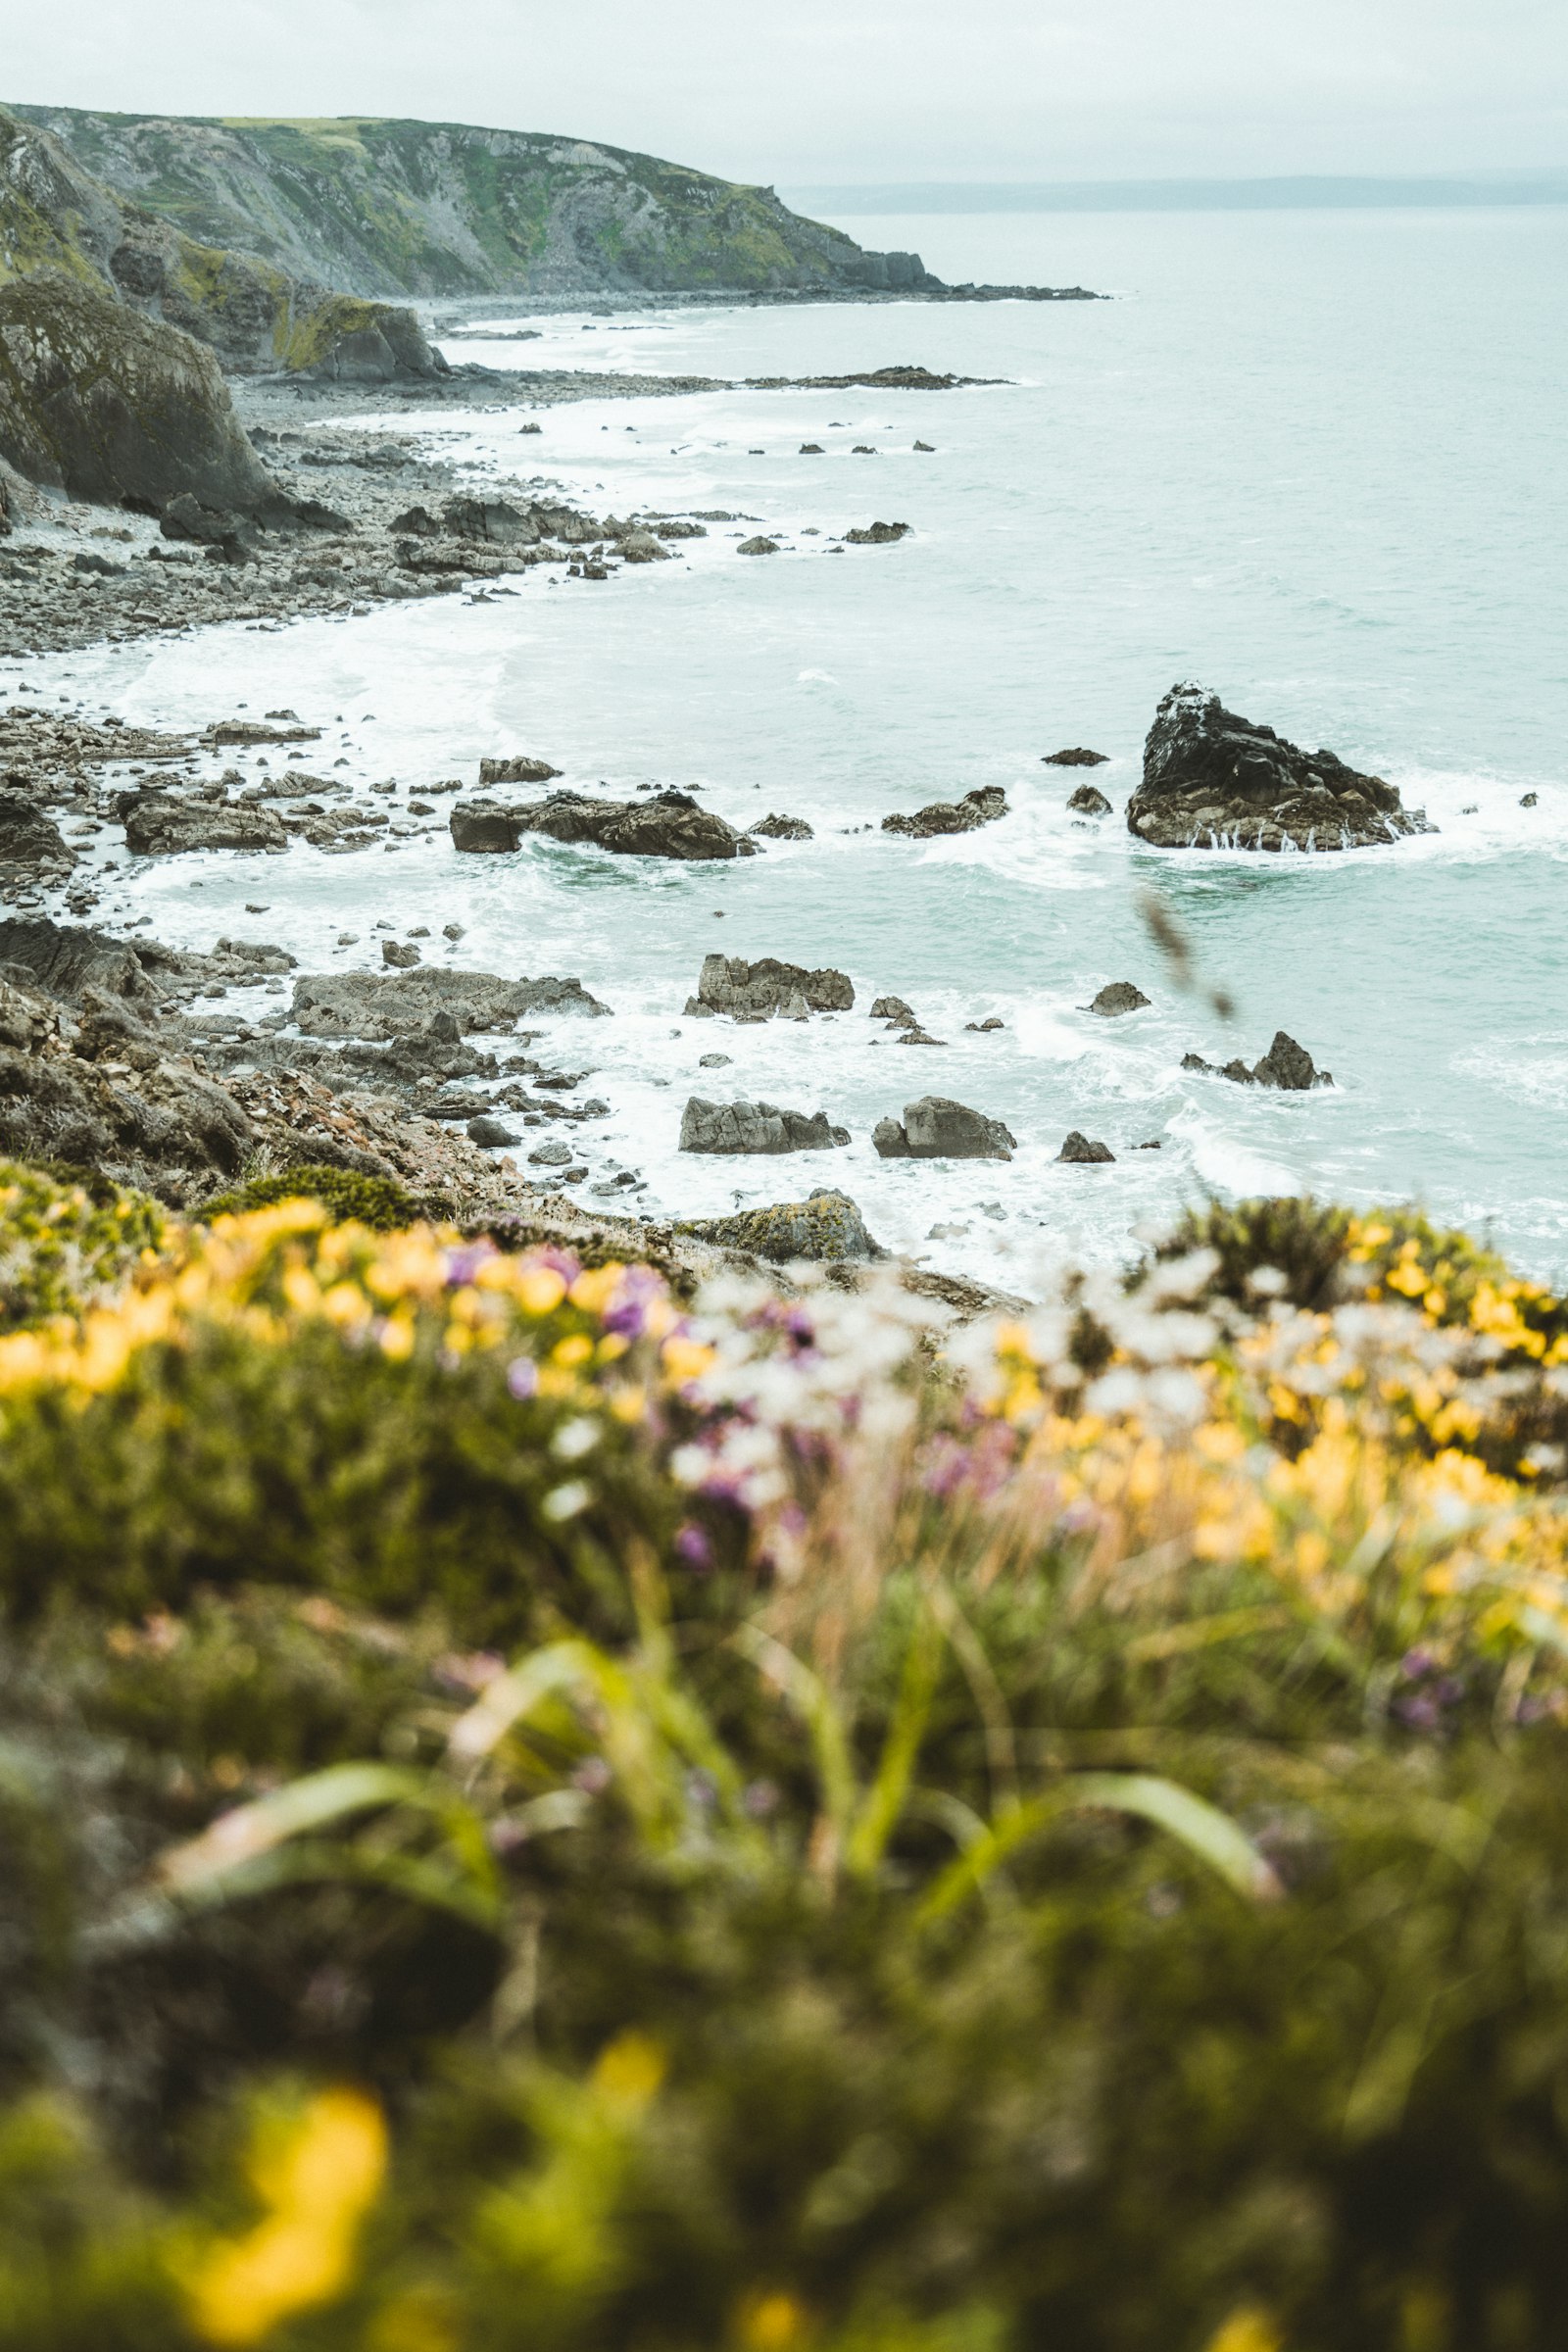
[[668, 824], [29, 842], [829, 1226], [754, 1128], [163, 824], [729, 983], [982, 808], [99, 401], [1215, 780], [938, 1128], [400, 1005], [1285, 1064]]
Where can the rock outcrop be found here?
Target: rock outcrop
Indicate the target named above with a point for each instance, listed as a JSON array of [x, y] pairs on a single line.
[[938, 1128], [782, 828], [1116, 998], [1089, 801], [879, 534], [1285, 1064], [110, 405], [518, 770], [729, 983], [1212, 780], [1082, 1149], [754, 1128], [393, 1005], [981, 807], [31, 843], [1076, 757], [829, 1226], [162, 824], [667, 825]]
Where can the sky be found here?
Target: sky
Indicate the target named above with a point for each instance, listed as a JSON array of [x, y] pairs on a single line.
[[847, 90]]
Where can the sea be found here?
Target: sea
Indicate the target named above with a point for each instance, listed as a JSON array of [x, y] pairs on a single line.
[[1314, 460]]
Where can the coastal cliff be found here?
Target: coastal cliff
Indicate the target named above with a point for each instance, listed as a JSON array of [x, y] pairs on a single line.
[[389, 209]]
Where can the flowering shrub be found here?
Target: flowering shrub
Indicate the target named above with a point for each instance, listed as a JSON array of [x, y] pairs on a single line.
[[540, 1815]]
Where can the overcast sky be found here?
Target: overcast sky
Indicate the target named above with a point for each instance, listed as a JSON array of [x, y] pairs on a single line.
[[806, 91]]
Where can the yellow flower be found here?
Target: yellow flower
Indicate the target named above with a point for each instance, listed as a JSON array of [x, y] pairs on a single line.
[[318, 2187]]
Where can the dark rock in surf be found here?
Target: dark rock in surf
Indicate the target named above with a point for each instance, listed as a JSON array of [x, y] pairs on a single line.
[[1215, 780], [1089, 801], [1077, 756], [165, 824], [879, 534], [982, 808], [518, 771], [1081, 1148], [754, 1128], [938, 1128], [783, 828], [829, 1226], [1119, 997], [31, 843], [729, 983], [1286, 1065]]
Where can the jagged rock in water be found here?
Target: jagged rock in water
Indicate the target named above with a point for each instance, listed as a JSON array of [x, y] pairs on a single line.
[[1285, 1064], [1089, 801], [1119, 997], [641, 547], [1215, 780], [400, 957], [162, 824], [829, 1226], [879, 534], [668, 824], [754, 1127], [1077, 756], [938, 1128], [1081, 1148], [400, 1005], [516, 770], [782, 828], [729, 983], [895, 1010], [981, 807], [31, 843]]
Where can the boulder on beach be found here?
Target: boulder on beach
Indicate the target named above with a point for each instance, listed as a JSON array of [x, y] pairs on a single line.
[[981, 807], [516, 770], [1212, 780], [163, 824], [729, 983], [1285, 1064], [1076, 757], [829, 1226], [1089, 801], [938, 1128], [754, 1128], [1116, 998], [1082, 1147]]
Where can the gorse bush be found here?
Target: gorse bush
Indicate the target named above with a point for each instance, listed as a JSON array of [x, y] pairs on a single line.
[[537, 1815], [379, 1202]]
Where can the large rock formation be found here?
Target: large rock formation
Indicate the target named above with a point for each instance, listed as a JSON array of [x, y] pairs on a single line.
[[96, 400], [829, 1226], [57, 218], [1212, 780], [390, 1004], [31, 843], [394, 208], [982, 808], [938, 1128], [723, 1128], [667, 825], [729, 983], [1285, 1064], [160, 824]]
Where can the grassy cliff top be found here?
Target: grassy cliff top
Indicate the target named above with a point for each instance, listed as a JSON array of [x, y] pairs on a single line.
[[389, 206]]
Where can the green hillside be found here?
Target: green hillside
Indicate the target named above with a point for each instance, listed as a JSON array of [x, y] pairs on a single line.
[[400, 208]]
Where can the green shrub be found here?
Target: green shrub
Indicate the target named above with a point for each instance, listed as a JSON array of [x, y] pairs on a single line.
[[378, 1201], [67, 1240]]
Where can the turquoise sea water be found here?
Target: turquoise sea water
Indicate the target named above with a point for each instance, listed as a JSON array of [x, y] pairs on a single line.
[[1316, 460]]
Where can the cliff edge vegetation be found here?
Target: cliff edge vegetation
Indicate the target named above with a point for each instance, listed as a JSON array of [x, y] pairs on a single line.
[[58, 221], [389, 208], [545, 1816]]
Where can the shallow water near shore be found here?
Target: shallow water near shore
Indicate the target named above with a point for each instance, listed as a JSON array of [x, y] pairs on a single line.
[[1312, 460]]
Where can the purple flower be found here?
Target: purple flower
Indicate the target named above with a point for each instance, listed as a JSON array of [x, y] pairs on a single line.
[[463, 1263], [522, 1378], [693, 1547], [1415, 1663]]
